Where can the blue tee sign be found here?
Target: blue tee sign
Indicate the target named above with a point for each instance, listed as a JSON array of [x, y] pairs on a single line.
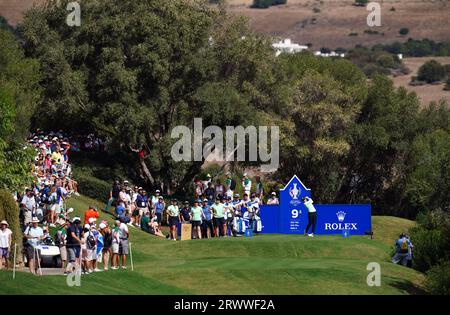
[[291, 216]]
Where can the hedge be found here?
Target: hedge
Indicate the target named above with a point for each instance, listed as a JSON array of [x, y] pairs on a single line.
[[93, 187], [9, 211]]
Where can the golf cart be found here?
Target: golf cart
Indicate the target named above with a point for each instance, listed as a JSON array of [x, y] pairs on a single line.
[[50, 254]]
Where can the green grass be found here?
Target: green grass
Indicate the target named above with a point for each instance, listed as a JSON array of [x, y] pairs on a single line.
[[265, 264]]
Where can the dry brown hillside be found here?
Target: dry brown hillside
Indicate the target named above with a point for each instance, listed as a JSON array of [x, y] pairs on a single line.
[[329, 26], [338, 18]]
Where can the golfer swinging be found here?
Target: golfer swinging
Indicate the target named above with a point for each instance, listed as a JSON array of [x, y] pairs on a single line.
[[312, 215]]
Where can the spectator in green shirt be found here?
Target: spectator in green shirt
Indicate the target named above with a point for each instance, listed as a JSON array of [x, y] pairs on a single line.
[[218, 211], [196, 215]]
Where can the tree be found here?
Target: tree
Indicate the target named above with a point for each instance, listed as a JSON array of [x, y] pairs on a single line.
[[325, 97], [380, 142], [134, 70], [19, 93], [431, 71]]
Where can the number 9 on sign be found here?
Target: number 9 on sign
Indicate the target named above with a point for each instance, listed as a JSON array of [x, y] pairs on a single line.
[[295, 213]]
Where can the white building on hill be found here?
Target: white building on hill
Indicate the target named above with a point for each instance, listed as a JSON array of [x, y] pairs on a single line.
[[287, 46]]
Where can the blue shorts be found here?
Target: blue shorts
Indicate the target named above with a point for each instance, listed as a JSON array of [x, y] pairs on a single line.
[[219, 221], [173, 221], [4, 252]]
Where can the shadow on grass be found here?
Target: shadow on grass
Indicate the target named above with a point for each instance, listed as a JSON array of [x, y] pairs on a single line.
[[408, 287]]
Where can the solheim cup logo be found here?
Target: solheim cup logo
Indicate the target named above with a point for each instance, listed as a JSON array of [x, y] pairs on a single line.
[[341, 216], [294, 192]]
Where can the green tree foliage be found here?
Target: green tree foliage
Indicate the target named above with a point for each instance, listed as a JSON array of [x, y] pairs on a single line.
[[9, 211], [428, 185], [438, 279], [135, 69], [431, 239], [19, 92], [325, 97], [417, 48], [431, 71], [378, 164]]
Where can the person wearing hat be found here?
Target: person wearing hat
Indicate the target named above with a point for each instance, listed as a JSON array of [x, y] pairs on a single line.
[[207, 224], [73, 244], [27, 206], [33, 235], [185, 212], [91, 213], [142, 205], [5, 242], [105, 231], [273, 200], [159, 208], [154, 199], [207, 181], [174, 219], [196, 217], [218, 211], [246, 184]]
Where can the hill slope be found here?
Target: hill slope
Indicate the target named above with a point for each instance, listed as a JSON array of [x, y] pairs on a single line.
[[267, 264]]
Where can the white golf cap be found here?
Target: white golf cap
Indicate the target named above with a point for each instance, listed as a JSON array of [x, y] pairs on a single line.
[[209, 175], [157, 191], [35, 220], [92, 220], [245, 174], [4, 222], [87, 226], [102, 226], [76, 219], [274, 193]]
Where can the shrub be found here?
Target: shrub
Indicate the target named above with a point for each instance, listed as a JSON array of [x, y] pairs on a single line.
[[447, 85], [431, 71], [264, 4], [431, 239], [261, 4], [93, 187], [438, 279], [404, 31], [386, 61], [277, 2], [9, 211], [361, 2]]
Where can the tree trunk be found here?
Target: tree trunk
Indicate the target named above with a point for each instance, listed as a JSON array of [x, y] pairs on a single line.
[[147, 174], [188, 177]]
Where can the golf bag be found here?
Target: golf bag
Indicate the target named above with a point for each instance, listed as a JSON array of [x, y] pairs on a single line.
[[257, 225], [239, 225]]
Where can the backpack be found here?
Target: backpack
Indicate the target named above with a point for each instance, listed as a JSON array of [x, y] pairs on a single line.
[[404, 247], [233, 184], [90, 241]]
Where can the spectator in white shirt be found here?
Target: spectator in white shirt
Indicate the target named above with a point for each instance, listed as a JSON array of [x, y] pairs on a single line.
[[5, 243]]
